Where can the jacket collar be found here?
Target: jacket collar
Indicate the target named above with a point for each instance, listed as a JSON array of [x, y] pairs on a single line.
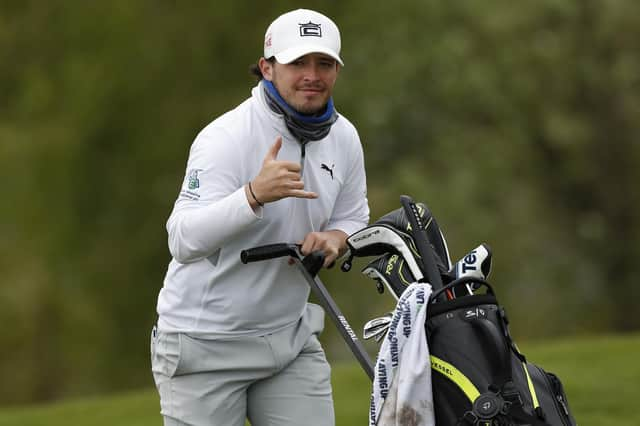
[[272, 117]]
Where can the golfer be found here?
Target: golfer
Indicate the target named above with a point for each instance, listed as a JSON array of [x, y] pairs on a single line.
[[234, 341]]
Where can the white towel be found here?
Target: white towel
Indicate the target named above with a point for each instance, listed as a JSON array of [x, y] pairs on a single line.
[[402, 394]]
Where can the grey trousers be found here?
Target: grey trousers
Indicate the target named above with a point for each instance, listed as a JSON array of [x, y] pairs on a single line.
[[278, 379]]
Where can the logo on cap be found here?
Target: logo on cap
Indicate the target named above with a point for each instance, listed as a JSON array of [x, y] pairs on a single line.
[[310, 30]]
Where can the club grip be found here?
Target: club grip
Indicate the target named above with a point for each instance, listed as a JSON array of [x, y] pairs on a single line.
[[269, 251], [422, 242]]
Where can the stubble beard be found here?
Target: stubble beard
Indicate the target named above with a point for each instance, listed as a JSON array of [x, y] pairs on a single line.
[[309, 110], [302, 107]]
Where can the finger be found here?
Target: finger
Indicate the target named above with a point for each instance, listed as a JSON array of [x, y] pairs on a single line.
[[329, 258], [330, 255], [297, 193], [295, 185], [329, 261], [310, 244], [306, 247], [272, 154], [290, 166], [291, 177]]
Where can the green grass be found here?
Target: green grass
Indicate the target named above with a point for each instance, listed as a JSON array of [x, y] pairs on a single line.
[[600, 374]]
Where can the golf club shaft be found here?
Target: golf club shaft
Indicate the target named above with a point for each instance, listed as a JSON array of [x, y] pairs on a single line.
[[339, 320], [309, 266]]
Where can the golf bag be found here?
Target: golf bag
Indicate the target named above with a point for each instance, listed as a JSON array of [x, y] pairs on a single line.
[[479, 377], [482, 378]]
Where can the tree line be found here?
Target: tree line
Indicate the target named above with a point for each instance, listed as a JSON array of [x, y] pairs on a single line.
[[517, 124]]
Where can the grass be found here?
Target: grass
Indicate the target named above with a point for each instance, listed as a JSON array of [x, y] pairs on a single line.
[[600, 374]]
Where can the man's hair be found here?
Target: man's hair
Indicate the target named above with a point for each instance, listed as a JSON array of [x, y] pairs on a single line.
[[255, 69]]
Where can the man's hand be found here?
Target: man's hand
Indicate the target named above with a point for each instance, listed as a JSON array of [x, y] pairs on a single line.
[[278, 179], [332, 243]]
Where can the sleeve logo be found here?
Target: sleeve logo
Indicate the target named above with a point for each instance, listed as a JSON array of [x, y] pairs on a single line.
[[193, 181]]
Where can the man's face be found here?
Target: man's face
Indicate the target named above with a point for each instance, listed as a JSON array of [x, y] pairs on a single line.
[[306, 83]]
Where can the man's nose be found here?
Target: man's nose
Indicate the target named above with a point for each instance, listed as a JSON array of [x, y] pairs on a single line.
[[311, 73]]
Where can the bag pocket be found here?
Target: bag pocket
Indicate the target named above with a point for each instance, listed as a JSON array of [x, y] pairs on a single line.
[[551, 396]]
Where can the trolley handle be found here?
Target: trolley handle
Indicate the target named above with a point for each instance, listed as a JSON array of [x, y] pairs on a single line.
[[312, 262], [269, 251]]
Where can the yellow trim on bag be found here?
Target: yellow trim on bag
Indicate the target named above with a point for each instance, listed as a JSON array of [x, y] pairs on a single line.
[[456, 376], [532, 390]]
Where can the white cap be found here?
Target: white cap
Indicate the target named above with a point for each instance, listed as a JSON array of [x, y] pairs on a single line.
[[300, 32]]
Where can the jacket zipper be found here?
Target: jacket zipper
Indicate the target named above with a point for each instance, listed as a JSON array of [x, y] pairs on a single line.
[[303, 149]]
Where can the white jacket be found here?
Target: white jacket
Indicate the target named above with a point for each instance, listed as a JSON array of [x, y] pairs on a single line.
[[207, 290]]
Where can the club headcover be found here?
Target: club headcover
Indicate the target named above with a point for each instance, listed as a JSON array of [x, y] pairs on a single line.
[[392, 271], [380, 239], [476, 263], [398, 219]]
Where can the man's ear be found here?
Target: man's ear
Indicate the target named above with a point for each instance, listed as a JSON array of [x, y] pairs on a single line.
[[266, 68]]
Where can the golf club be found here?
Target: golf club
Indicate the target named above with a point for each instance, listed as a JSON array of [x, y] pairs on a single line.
[[377, 327]]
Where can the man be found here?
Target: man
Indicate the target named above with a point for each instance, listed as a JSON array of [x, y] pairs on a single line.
[[238, 341]]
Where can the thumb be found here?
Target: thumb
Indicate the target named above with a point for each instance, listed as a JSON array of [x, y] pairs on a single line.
[[272, 154]]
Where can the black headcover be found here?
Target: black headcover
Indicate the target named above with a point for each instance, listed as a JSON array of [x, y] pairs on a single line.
[[398, 219], [391, 269]]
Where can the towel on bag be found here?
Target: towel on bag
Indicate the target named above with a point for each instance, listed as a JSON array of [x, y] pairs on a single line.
[[402, 394]]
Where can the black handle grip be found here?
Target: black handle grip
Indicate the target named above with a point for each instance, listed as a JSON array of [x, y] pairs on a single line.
[[430, 268], [270, 251], [313, 262]]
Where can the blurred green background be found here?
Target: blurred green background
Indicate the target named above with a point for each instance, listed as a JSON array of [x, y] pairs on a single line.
[[518, 123]]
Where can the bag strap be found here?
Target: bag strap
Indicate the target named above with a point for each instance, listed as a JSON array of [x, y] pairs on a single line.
[[497, 352], [460, 281], [518, 414], [489, 293]]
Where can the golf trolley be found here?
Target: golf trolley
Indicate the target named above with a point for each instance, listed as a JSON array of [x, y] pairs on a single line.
[[309, 267], [479, 377]]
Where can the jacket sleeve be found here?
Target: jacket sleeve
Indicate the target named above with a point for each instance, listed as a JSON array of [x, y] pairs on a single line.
[[212, 206], [351, 210]]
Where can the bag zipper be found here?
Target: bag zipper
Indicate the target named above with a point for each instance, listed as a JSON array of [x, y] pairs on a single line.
[[558, 391], [558, 398]]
